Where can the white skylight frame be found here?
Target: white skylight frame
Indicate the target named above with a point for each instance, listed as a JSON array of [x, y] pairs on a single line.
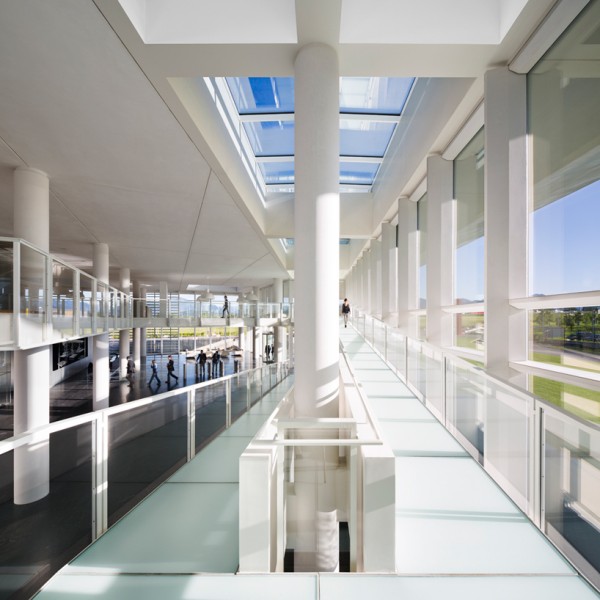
[[234, 121]]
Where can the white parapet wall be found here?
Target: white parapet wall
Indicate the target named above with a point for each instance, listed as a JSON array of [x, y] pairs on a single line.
[[363, 486]]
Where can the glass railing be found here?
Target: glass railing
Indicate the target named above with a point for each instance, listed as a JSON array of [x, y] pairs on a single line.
[[546, 459], [103, 463], [43, 300]]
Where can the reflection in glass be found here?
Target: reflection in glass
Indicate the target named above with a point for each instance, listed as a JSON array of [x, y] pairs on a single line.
[[6, 277], [33, 279], [210, 412], [41, 537], [470, 331], [571, 498], [567, 337], [563, 92], [85, 303], [468, 193], [146, 445], [581, 401]]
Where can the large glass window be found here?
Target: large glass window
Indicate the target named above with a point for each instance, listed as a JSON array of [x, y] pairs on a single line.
[[422, 227], [33, 283], [563, 93], [63, 278], [567, 337], [469, 196]]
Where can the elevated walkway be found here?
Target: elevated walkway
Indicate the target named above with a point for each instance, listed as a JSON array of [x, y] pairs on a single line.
[[458, 535]]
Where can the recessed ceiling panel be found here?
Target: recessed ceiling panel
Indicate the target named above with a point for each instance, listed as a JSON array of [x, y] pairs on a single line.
[[426, 21], [213, 21]]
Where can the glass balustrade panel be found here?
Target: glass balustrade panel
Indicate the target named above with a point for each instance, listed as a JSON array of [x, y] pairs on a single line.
[[146, 445], [42, 536], [210, 410], [571, 480]]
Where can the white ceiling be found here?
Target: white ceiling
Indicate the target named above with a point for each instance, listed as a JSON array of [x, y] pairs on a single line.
[[134, 166]]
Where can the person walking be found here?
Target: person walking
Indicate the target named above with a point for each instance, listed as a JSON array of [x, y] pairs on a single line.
[[130, 370], [171, 370], [225, 307], [154, 373], [267, 351], [216, 359], [346, 311], [201, 360]]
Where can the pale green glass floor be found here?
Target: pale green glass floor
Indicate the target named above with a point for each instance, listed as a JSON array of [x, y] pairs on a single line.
[[457, 535]]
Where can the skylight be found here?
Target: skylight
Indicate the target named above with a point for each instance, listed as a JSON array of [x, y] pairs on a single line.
[[261, 113]]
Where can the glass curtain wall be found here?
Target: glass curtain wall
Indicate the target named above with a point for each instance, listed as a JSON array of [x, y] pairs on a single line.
[[469, 168], [563, 92]]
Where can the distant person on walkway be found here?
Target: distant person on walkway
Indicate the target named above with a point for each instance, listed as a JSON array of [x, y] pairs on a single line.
[[154, 373], [130, 370], [171, 370], [346, 311], [272, 349], [267, 351], [201, 360], [216, 359], [225, 307]]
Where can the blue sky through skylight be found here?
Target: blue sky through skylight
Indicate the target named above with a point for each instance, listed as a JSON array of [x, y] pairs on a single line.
[[366, 137]]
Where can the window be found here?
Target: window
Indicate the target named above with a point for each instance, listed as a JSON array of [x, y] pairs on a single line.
[[422, 228], [469, 196], [563, 92]]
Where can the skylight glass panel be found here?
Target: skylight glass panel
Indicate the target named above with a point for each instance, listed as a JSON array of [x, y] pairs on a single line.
[[374, 95], [357, 173], [260, 95], [271, 138], [277, 172], [364, 138]]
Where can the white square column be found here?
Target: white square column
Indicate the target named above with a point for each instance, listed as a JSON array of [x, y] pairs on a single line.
[[408, 267], [389, 271], [505, 218], [440, 250]]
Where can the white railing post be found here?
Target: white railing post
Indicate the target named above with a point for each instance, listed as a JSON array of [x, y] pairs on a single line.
[[228, 403], [191, 425], [249, 389], [99, 475], [443, 390]]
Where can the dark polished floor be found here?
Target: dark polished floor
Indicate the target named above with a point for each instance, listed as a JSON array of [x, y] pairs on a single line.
[[73, 396], [145, 447]]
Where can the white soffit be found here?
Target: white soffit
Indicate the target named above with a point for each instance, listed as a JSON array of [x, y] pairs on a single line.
[[213, 21], [428, 21]]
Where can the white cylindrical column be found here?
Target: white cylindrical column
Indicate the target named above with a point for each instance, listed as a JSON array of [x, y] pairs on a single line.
[[317, 230], [32, 409], [278, 290], [31, 209], [31, 367], [101, 381], [124, 333], [280, 344]]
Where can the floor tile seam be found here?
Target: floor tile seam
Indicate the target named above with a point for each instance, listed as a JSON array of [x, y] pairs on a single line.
[[476, 575], [169, 482]]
